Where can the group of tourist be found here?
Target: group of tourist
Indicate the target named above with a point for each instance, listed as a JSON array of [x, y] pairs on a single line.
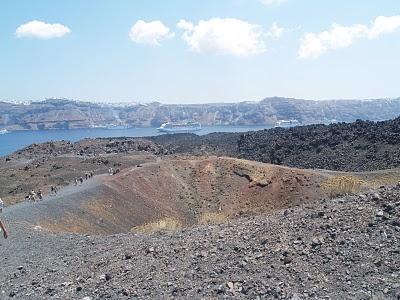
[[111, 171], [35, 196], [79, 180], [38, 196]]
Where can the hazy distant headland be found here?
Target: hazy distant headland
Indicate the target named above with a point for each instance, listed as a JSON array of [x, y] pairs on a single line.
[[69, 114]]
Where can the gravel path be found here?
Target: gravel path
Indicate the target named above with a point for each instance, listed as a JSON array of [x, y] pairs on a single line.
[[51, 204]]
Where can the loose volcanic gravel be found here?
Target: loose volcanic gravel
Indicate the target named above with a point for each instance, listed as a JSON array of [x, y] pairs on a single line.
[[345, 248]]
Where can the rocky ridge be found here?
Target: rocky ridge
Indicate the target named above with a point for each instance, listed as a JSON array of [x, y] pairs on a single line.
[[68, 114], [358, 146]]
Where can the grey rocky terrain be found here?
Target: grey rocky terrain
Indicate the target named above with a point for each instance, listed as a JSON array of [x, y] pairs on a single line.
[[344, 248]]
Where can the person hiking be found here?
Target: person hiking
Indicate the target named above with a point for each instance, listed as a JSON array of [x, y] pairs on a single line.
[[40, 195], [32, 194], [2, 226], [76, 181]]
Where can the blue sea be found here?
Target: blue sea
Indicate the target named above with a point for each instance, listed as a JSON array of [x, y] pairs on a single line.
[[13, 141]]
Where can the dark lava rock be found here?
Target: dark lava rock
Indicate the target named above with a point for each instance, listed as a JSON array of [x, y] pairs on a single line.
[[358, 146]]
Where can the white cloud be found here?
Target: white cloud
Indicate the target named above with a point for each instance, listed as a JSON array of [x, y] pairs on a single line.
[[185, 25], [384, 25], [273, 2], [275, 31], [150, 33], [224, 36], [314, 45], [41, 30]]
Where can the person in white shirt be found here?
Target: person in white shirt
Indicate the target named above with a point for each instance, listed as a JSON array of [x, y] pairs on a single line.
[[2, 226]]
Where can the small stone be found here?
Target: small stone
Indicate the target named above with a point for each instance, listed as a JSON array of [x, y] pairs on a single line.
[[221, 289], [108, 276], [295, 297], [376, 197], [66, 284], [396, 222], [287, 260], [230, 285], [316, 242], [378, 262]]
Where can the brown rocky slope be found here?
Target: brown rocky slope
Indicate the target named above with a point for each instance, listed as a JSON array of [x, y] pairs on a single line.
[[188, 191]]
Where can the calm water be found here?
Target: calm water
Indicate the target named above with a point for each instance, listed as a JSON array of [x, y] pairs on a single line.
[[16, 140]]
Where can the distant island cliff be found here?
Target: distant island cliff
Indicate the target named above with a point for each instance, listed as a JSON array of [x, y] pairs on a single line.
[[69, 114]]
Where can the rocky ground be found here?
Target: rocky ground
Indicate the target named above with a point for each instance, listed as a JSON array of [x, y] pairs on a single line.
[[345, 248], [224, 144], [358, 146]]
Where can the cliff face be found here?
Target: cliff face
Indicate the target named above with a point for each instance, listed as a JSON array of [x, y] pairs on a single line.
[[66, 114]]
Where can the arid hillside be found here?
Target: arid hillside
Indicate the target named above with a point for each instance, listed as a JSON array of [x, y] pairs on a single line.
[[68, 114], [184, 192]]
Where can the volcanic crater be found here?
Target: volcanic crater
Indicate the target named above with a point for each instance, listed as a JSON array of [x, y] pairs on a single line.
[[188, 191]]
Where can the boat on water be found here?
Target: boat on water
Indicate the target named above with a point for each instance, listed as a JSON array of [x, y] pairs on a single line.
[[4, 131], [179, 127], [116, 127], [287, 123]]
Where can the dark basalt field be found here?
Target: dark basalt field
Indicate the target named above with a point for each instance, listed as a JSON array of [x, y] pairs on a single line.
[[358, 146]]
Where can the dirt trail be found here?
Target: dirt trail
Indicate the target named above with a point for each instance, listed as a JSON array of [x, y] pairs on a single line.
[[65, 196]]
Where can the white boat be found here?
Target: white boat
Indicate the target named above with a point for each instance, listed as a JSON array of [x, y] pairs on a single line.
[[287, 123], [117, 127], [179, 127], [4, 131]]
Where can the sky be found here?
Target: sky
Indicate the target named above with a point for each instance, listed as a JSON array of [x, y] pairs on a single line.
[[191, 51]]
